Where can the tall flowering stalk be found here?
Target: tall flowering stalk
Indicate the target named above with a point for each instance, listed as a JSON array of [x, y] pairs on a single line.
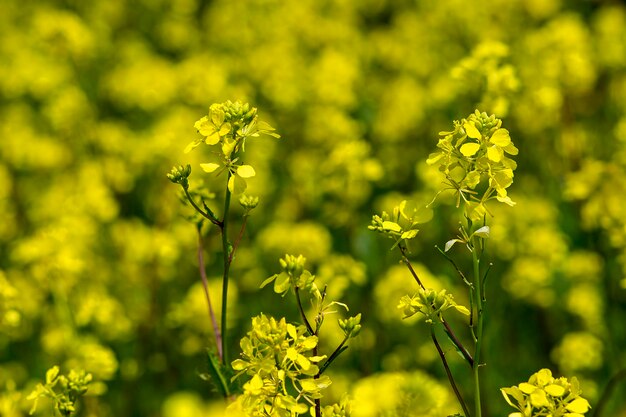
[[225, 129], [475, 160]]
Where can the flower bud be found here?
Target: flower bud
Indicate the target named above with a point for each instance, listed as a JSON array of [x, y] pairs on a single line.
[[351, 326], [248, 202], [292, 265], [180, 175]]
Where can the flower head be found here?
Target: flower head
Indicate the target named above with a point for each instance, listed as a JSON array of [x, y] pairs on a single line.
[[544, 395], [228, 125], [478, 151]]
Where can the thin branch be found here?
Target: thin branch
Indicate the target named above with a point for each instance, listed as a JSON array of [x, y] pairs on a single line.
[[204, 214], [304, 319], [485, 278], [457, 343], [458, 270], [449, 331], [225, 276], [442, 355], [406, 261], [236, 244], [340, 349], [205, 284]]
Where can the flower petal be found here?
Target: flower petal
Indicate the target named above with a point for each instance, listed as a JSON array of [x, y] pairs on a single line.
[[471, 130], [212, 139], [501, 138], [192, 145], [494, 153], [470, 149], [210, 167], [246, 171], [204, 127], [579, 405]]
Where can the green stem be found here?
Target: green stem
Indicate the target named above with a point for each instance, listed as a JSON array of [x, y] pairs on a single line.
[[478, 300], [449, 331], [239, 236], [442, 355], [204, 214], [304, 319], [334, 355], [227, 259], [205, 285]]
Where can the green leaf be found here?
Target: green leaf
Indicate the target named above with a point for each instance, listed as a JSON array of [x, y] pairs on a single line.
[[246, 171], [501, 138], [471, 130], [470, 149], [217, 374], [210, 167]]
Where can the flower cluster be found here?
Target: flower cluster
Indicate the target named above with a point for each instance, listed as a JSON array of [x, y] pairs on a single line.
[[180, 175], [63, 390], [279, 357], [476, 150], [430, 303], [351, 326], [544, 395], [293, 275], [229, 124], [342, 409], [399, 226]]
